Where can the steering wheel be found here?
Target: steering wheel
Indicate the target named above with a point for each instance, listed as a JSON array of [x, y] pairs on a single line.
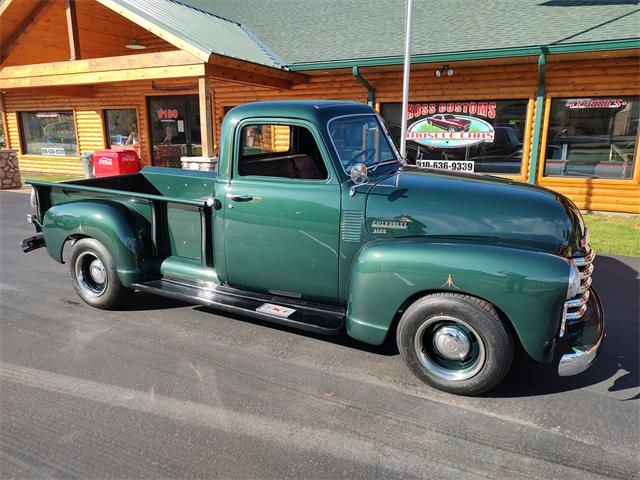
[[368, 153]]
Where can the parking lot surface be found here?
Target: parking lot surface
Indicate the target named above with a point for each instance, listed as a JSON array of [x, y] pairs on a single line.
[[163, 389]]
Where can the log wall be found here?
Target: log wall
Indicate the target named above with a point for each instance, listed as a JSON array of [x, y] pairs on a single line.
[[577, 78]]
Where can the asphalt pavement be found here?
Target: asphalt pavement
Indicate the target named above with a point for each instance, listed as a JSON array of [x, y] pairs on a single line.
[[167, 390]]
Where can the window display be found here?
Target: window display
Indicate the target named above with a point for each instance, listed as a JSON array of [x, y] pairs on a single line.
[[122, 129], [476, 136], [48, 133], [592, 137]]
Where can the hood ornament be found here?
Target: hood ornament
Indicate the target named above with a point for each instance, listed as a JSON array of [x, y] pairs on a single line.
[[449, 283]]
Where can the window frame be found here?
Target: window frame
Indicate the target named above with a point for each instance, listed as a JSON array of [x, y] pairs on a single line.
[[578, 181], [527, 139], [105, 124], [324, 152], [382, 124], [22, 142]]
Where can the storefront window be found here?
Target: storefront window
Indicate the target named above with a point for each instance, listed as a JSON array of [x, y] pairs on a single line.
[[592, 137], [475, 136], [122, 129], [49, 133]]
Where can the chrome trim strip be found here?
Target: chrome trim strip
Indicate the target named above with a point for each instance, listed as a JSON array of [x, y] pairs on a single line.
[[588, 258], [578, 314], [586, 284], [579, 301], [587, 271]]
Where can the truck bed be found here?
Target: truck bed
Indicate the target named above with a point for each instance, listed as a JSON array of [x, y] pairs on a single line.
[[168, 184]]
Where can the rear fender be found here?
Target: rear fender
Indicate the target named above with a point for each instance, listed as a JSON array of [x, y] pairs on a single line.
[[528, 287], [124, 233]]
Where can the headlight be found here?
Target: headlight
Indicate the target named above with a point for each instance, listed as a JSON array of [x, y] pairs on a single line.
[[33, 199], [574, 280]]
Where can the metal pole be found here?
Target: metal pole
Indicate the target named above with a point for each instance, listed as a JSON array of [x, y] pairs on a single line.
[[405, 81]]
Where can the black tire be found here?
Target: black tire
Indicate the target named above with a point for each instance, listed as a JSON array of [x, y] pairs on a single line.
[[457, 324], [89, 263]]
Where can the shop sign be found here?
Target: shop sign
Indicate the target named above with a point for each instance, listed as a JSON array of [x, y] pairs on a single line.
[[575, 103], [167, 114], [451, 131], [480, 109], [451, 124]]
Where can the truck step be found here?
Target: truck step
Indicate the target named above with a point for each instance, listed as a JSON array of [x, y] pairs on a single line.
[[313, 317]]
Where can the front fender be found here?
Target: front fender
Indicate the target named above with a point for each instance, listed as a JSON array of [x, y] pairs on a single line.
[[528, 287], [123, 232]]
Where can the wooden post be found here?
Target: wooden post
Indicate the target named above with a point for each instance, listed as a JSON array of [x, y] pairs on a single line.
[[5, 124], [72, 29], [207, 132]]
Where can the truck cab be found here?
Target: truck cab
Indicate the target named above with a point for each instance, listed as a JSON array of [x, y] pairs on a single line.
[[313, 220]]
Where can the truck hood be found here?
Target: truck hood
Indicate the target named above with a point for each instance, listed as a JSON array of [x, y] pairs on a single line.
[[417, 202]]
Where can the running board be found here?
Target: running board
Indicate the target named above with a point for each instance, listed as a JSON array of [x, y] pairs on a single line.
[[313, 317]]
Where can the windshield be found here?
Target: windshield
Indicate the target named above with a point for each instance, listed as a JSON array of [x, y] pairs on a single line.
[[361, 139]]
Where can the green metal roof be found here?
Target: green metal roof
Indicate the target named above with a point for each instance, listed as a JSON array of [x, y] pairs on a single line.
[[326, 33], [203, 30]]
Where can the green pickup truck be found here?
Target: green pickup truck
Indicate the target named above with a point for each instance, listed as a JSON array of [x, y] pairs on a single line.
[[314, 221]]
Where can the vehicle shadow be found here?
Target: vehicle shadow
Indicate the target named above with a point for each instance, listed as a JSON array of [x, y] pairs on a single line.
[[386, 349], [617, 283], [142, 301]]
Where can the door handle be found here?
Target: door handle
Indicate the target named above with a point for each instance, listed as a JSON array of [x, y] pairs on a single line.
[[240, 197]]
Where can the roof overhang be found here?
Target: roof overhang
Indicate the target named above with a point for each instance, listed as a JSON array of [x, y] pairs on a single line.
[[625, 44]]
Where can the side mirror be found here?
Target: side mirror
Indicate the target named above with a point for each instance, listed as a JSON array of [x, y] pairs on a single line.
[[358, 177]]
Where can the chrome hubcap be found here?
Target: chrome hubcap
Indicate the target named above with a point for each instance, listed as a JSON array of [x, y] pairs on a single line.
[[91, 274], [449, 348], [451, 342], [97, 271]]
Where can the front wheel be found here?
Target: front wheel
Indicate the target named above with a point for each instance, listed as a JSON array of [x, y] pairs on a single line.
[[455, 343], [94, 275]]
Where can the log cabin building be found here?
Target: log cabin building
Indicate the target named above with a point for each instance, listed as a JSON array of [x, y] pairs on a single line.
[[550, 87]]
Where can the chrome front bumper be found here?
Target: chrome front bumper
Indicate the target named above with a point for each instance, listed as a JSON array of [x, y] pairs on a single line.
[[582, 338]]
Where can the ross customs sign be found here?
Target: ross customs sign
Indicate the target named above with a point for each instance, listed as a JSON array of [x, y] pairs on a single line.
[[452, 125]]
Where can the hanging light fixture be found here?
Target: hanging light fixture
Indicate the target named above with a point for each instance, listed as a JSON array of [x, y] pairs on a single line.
[[135, 45]]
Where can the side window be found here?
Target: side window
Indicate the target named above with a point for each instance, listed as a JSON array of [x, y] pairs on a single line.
[[284, 151]]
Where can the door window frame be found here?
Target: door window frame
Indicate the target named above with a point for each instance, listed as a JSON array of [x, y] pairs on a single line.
[[324, 151], [187, 123]]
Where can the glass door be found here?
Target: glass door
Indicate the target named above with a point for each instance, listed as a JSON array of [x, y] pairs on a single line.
[[174, 123]]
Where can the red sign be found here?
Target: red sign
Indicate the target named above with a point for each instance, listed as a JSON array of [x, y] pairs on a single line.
[[482, 109], [595, 103], [167, 113]]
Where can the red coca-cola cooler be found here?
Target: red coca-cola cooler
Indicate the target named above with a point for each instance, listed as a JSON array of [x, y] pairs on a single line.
[[111, 162]]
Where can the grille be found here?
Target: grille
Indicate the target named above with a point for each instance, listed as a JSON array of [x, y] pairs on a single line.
[[576, 307]]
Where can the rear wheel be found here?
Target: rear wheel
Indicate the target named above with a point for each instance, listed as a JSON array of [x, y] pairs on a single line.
[[455, 343], [94, 275]]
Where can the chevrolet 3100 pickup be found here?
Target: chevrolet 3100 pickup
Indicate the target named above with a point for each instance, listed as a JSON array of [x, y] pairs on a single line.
[[313, 220]]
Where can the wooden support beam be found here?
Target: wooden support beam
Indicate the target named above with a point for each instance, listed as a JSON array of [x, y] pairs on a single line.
[[207, 127], [239, 71], [10, 44], [72, 30], [145, 66], [5, 124]]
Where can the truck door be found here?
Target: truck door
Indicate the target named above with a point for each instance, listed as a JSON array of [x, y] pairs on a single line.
[[282, 213]]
